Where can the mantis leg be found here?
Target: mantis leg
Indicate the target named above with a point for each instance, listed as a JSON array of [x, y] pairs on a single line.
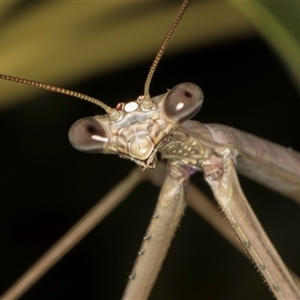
[[167, 215], [76, 233], [230, 197]]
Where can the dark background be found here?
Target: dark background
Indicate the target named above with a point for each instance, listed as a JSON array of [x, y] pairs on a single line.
[[46, 186]]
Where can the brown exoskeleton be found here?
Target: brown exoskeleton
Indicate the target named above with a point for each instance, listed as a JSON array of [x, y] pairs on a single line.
[[114, 170]]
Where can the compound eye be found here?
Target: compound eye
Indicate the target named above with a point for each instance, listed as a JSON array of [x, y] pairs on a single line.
[[89, 136], [183, 102]]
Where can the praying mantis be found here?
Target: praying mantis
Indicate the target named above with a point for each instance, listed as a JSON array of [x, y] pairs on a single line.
[[129, 214]]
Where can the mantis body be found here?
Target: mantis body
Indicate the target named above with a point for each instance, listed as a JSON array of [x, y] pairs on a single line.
[[130, 217]]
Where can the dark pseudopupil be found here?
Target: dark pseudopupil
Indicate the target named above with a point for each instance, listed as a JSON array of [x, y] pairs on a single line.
[[187, 94], [91, 129]]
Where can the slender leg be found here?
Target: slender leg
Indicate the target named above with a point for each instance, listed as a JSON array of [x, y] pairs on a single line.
[[76, 233], [157, 240], [230, 197], [199, 202]]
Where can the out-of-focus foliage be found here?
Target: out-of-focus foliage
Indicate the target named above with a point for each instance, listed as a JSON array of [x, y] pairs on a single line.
[[63, 42], [278, 23]]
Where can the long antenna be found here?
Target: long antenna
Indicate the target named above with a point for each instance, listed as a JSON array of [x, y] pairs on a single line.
[[113, 113], [110, 111], [147, 103]]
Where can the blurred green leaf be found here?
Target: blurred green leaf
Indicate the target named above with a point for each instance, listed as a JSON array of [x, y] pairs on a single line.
[[278, 23], [62, 42]]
